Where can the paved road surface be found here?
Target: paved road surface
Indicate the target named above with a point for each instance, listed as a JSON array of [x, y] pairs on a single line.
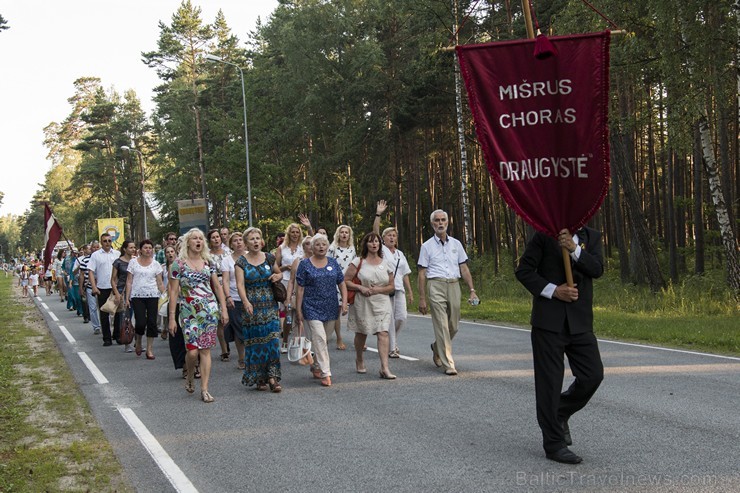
[[662, 421]]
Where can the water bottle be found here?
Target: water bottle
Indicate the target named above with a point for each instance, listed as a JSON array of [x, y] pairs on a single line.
[[289, 316]]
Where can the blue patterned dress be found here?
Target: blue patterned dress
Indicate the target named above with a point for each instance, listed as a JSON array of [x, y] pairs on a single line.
[[261, 330]]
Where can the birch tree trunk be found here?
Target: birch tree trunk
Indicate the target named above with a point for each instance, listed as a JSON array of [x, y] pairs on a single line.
[[729, 242], [461, 138]]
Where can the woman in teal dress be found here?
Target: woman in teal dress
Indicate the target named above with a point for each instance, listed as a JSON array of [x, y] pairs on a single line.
[[261, 322], [191, 278]]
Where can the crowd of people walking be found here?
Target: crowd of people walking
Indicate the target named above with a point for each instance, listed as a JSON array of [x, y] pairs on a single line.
[[222, 289]]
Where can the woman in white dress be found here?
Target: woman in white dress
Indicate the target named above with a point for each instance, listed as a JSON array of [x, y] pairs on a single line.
[[343, 251], [371, 311], [285, 255]]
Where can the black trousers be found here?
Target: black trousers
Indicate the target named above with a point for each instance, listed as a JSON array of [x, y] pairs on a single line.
[[104, 317], [553, 405], [177, 343], [145, 313], [85, 308]]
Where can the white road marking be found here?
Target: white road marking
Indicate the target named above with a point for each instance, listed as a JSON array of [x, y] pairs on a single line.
[[171, 470], [53, 317], [46, 307], [97, 374], [609, 341], [67, 334], [407, 358]]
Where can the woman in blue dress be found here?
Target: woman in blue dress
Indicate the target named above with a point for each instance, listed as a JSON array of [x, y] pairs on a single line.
[[261, 322], [316, 302]]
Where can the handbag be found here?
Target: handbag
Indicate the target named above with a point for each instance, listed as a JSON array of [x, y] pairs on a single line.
[[126, 334], [299, 349], [110, 305], [355, 280], [279, 292], [393, 293]]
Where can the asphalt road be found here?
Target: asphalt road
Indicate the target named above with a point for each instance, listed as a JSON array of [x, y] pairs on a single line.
[[662, 421]]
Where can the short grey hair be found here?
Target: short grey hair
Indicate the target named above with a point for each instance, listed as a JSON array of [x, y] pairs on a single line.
[[431, 216], [319, 237]]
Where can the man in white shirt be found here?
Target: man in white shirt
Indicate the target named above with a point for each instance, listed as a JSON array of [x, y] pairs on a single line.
[[442, 262], [100, 268]]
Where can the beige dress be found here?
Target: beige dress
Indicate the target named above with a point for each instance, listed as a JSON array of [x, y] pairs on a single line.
[[371, 314]]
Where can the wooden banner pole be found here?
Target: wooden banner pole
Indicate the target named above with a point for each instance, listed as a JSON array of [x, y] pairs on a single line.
[[528, 19]]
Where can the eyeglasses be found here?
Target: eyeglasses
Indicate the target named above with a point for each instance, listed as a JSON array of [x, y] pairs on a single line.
[[107, 241]]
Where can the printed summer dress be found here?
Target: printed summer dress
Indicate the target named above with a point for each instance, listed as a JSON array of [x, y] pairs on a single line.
[[199, 312], [261, 330]]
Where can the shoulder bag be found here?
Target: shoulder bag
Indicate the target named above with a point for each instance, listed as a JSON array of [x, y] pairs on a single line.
[[355, 280]]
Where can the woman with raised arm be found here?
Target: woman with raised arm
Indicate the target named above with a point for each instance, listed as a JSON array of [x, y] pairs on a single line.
[[255, 273], [191, 277], [371, 311]]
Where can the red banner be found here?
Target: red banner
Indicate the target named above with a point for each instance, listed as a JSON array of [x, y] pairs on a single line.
[[52, 233], [543, 125]]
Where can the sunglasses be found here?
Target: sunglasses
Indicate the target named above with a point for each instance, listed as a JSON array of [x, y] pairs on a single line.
[[107, 241]]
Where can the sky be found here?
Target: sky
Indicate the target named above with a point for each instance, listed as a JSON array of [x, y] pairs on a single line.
[[51, 43]]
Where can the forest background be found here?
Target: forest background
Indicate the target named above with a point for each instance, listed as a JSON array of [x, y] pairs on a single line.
[[352, 101]]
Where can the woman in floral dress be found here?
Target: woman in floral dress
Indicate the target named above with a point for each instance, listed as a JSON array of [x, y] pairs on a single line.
[[261, 323], [192, 276]]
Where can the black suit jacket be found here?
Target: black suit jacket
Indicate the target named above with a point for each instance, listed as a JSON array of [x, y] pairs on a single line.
[[542, 263]]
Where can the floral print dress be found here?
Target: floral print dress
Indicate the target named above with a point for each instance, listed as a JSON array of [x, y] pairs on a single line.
[[199, 312]]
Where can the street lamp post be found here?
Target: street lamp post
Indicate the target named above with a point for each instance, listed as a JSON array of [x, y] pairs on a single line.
[[213, 58], [143, 196]]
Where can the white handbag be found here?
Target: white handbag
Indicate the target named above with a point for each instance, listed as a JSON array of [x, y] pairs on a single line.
[[299, 348]]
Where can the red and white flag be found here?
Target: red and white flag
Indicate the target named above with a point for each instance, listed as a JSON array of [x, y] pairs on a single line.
[[543, 125], [52, 234]]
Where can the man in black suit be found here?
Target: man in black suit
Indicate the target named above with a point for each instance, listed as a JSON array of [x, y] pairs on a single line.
[[562, 324]]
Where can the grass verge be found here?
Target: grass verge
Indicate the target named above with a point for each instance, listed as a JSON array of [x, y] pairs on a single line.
[[49, 440], [699, 314]]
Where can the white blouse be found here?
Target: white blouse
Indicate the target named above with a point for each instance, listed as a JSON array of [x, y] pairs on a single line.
[[144, 279]]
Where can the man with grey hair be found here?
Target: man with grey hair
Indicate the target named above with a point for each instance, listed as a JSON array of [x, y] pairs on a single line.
[[442, 262]]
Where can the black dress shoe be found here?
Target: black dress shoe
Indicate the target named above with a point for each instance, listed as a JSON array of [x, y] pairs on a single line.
[[564, 456], [566, 432], [107, 343]]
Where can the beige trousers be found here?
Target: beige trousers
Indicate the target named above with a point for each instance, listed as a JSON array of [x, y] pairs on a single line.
[[444, 306]]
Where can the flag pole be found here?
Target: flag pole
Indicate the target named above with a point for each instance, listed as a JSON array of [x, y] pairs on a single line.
[[530, 33], [528, 19]]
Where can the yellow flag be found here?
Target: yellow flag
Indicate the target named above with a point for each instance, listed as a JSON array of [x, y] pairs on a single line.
[[114, 227]]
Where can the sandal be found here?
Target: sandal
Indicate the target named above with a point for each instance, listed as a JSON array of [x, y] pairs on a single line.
[[197, 372], [189, 387], [206, 397], [341, 346], [224, 356], [241, 366], [275, 388], [261, 387], [184, 373], [326, 382], [387, 376], [360, 369]]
